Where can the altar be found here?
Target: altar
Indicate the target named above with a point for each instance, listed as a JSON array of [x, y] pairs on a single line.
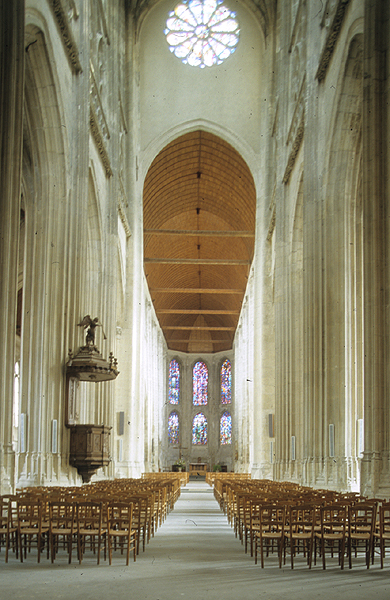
[[199, 468]]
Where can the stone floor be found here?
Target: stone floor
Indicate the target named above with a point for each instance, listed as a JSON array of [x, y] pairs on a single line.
[[194, 554]]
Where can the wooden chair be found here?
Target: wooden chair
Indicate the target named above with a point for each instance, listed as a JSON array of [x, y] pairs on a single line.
[[271, 531], [231, 505], [301, 523], [141, 518], [8, 525], [246, 525], [90, 525], [252, 523], [382, 530], [62, 525], [154, 509], [31, 527], [243, 500], [120, 532], [332, 531], [361, 524]]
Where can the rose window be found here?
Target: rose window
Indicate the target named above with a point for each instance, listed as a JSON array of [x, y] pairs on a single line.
[[202, 33]]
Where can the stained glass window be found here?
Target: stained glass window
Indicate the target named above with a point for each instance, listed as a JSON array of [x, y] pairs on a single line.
[[173, 428], [226, 382], [202, 33], [174, 382], [199, 429], [225, 428], [200, 377]]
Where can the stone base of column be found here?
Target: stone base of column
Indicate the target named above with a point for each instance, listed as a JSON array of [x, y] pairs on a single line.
[[370, 477], [7, 470], [384, 477]]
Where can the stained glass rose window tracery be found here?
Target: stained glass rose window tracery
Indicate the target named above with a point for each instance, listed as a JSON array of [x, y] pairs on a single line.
[[202, 33]]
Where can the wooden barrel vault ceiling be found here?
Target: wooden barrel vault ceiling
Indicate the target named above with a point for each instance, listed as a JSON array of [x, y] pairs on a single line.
[[199, 232]]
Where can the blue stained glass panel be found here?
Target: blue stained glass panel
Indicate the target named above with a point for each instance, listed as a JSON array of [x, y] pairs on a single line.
[[226, 382], [173, 428], [174, 382], [199, 429], [200, 377], [225, 429]]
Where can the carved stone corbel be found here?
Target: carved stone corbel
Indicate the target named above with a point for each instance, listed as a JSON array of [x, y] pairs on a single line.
[[66, 33]]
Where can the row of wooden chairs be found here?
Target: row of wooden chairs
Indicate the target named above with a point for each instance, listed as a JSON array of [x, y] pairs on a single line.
[[74, 524], [338, 529], [269, 516], [68, 524], [108, 515]]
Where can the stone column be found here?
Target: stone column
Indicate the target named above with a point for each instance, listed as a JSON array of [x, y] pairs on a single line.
[[11, 138], [313, 296], [373, 244], [282, 396]]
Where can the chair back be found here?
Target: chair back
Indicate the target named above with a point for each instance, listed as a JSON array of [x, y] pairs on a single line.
[[30, 514], [384, 519], [333, 520], [272, 519], [62, 515], [6, 517], [90, 517], [119, 516], [361, 519], [301, 519]]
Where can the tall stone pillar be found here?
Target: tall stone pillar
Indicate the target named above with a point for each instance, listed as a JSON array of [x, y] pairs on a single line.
[[373, 245], [282, 379], [11, 137], [313, 295], [138, 369]]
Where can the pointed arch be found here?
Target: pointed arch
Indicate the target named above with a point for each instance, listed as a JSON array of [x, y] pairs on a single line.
[[198, 186], [44, 274]]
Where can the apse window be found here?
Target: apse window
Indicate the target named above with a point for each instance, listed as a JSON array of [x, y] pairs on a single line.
[[199, 430], [174, 382], [202, 33], [173, 428], [225, 429], [200, 379], [226, 382]]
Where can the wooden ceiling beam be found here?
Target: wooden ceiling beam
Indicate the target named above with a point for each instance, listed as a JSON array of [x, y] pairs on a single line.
[[200, 233], [195, 291], [196, 328], [182, 341], [192, 311], [197, 261]]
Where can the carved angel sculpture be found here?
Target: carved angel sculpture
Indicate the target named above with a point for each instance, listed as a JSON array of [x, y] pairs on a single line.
[[91, 324]]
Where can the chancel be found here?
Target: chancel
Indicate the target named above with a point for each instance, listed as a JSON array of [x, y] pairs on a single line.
[[208, 180]]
